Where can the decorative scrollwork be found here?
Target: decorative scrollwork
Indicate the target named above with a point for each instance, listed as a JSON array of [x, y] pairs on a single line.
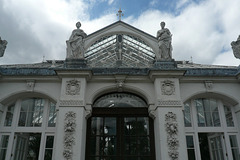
[[168, 87], [73, 87], [173, 154]]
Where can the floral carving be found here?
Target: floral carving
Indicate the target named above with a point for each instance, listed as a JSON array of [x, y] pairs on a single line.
[[172, 132], [172, 128], [170, 116], [69, 139], [172, 142], [73, 87], [168, 87], [173, 154]]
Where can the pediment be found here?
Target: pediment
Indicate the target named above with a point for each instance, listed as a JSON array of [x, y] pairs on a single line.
[[120, 45]]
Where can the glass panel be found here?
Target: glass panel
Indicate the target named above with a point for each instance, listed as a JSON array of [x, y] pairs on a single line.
[[9, 115], [130, 146], [49, 148], [97, 126], [31, 113], [187, 115], [110, 126], [200, 112], [52, 116], [207, 113], [120, 100], [130, 126], [142, 126], [190, 147], [103, 145], [228, 116], [3, 146], [216, 148], [234, 146]]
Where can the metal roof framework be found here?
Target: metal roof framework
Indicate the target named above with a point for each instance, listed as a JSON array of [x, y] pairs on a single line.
[[120, 50]]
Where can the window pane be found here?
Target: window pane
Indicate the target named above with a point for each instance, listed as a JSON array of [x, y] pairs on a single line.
[[187, 115], [110, 126], [49, 148], [207, 113], [120, 100], [228, 116], [31, 113], [9, 115], [200, 112], [3, 146], [234, 146], [190, 147], [97, 126], [52, 116]]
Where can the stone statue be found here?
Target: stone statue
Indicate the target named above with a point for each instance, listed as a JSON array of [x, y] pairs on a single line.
[[75, 44], [236, 47], [164, 38], [3, 46]]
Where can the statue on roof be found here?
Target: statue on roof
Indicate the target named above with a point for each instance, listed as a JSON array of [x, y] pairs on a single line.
[[3, 46], [164, 38], [75, 44], [236, 47]]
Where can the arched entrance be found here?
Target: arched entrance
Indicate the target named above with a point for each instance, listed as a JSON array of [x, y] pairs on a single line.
[[120, 128]]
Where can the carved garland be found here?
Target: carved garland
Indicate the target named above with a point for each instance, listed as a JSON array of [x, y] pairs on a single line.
[[172, 131], [69, 129]]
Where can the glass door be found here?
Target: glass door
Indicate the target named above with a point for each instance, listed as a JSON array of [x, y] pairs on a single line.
[[120, 137], [217, 147]]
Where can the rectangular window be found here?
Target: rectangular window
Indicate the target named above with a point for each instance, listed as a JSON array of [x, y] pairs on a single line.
[[31, 114], [9, 115], [190, 148], [3, 146], [49, 148], [52, 116], [187, 115], [234, 147]]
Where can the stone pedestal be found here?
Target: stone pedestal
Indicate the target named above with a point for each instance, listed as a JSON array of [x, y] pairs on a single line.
[[75, 63]]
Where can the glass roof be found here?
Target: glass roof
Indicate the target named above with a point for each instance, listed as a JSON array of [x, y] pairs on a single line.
[[120, 50]]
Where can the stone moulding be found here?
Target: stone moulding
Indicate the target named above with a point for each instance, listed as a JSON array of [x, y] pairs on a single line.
[[73, 87], [169, 103], [171, 127], [66, 103], [69, 131]]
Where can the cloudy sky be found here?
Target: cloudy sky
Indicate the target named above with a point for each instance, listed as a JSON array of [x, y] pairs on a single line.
[[202, 29]]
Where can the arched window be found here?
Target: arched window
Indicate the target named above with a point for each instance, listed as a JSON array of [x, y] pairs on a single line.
[[27, 129], [211, 130], [120, 128]]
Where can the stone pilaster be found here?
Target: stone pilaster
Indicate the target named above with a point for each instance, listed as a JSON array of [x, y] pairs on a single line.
[[71, 125], [169, 122]]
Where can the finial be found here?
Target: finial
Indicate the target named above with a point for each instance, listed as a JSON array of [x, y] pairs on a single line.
[[120, 14]]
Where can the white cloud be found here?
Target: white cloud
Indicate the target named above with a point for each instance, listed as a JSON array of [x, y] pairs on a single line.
[[41, 27]]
